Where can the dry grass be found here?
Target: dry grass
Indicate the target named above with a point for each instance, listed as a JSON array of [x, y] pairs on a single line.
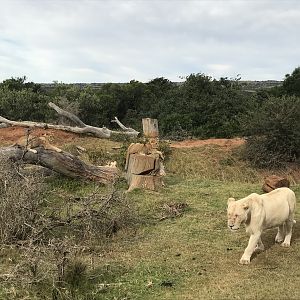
[[211, 162]]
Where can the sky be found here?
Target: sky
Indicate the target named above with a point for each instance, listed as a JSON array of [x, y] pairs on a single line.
[[117, 41]]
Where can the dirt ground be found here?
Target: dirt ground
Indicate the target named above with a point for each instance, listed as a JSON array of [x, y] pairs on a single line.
[[226, 143], [58, 137], [11, 134]]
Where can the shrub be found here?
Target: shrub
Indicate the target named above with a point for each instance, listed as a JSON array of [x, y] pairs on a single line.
[[273, 132], [20, 201]]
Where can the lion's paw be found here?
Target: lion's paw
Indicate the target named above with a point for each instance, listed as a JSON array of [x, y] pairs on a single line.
[[245, 261], [278, 239], [286, 245]]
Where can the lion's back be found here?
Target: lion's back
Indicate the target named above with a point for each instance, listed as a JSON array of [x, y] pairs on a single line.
[[279, 205]]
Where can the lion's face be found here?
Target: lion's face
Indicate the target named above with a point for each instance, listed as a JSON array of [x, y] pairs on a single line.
[[237, 214]]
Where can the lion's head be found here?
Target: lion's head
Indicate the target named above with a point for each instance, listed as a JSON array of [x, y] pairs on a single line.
[[237, 213]]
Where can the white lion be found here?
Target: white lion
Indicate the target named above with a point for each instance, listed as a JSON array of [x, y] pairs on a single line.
[[259, 212]]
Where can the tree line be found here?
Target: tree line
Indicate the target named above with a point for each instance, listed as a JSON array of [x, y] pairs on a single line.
[[200, 107]]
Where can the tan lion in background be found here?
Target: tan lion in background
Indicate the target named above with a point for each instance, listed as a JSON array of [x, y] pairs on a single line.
[[259, 212], [31, 142]]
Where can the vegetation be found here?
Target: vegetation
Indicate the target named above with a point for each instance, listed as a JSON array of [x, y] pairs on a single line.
[[274, 132], [63, 239], [273, 127], [199, 107], [172, 244]]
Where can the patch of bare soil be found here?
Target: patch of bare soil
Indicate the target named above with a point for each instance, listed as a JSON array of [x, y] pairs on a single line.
[[11, 134], [226, 143]]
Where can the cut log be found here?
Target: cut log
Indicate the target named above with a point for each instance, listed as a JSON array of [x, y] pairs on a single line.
[[141, 164], [148, 182], [273, 182], [63, 163], [144, 163], [150, 128], [143, 172]]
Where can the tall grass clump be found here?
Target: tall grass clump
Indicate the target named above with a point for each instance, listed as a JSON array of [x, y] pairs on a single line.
[[211, 162]]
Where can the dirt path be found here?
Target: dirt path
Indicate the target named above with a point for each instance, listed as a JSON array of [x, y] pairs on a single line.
[[11, 134], [226, 143]]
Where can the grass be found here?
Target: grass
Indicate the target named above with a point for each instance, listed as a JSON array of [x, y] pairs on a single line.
[[191, 256]]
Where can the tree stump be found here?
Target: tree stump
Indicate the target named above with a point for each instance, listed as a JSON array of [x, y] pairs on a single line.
[[144, 163], [150, 128], [143, 172], [273, 182]]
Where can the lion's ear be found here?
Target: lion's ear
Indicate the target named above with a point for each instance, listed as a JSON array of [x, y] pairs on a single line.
[[230, 200]]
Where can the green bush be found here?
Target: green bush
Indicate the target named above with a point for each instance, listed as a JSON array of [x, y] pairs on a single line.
[[273, 133]]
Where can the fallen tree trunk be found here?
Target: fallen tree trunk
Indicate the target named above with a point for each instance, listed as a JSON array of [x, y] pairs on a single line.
[[81, 127], [63, 163]]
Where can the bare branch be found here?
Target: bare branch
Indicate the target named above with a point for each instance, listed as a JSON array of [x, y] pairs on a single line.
[[82, 128], [127, 129], [67, 114]]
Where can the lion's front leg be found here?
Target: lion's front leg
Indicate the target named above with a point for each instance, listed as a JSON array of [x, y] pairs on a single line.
[[253, 241]]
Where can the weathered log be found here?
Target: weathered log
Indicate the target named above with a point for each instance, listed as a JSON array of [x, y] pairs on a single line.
[[150, 128], [62, 162], [273, 182], [81, 127], [3, 125]]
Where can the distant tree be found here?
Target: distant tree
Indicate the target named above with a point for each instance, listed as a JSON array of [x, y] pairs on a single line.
[[208, 107], [291, 84], [23, 104], [19, 83]]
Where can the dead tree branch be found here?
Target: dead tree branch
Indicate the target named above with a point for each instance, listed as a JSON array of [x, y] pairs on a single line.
[[81, 127]]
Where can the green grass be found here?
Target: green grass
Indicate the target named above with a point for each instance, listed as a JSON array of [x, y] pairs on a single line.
[[198, 256], [192, 256]]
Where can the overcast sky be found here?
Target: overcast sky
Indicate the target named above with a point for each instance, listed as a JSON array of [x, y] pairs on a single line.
[[117, 41]]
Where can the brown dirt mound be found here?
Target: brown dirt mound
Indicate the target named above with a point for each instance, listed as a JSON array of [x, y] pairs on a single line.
[[11, 134], [226, 143]]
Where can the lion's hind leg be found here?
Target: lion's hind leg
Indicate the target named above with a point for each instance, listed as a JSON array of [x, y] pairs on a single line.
[[280, 234], [288, 228], [260, 246]]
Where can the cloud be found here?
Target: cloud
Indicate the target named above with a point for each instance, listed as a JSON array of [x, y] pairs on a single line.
[[116, 41]]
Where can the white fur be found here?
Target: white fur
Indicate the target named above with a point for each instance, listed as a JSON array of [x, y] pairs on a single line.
[[259, 212]]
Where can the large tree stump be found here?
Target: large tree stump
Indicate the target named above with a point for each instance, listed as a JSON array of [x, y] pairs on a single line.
[[273, 182], [144, 163], [143, 172], [150, 128]]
